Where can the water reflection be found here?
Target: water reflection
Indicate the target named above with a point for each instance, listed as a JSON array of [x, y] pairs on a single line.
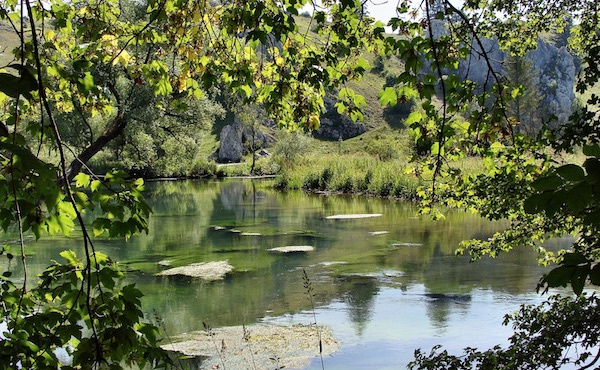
[[393, 276], [359, 293]]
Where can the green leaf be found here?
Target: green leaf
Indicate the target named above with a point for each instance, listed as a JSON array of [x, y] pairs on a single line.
[[550, 182], [574, 259], [595, 274], [388, 96], [592, 166], [362, 64], [537, 202], [592, 150], [247, 90], [162, 87], [571, 172], [579, 197], [70, 256], [579, 278], [414, 117], [560, 276], [96, 184], [87, 82], [107, 277], [360, 101], [82, 180], [14, 86]]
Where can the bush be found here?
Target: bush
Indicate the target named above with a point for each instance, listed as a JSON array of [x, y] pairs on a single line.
[[266, 166], [384, 149], [201, 167], [289, 148]]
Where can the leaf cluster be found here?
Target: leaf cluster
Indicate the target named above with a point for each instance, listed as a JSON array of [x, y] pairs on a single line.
[[86, 317]]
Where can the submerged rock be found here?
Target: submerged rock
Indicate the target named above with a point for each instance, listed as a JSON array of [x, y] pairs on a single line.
[[333, 263], [206, 270], [292, 249], [353, 216], [449, 297], [260, 346], [396, 245]]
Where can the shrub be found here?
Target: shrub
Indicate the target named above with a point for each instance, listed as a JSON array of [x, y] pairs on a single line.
[[289, 148], [266, 166], [201, 167]]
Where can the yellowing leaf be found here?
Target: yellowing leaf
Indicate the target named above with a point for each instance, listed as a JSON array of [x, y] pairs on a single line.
[[49, 35], [123, 58], [109, 41], [314, 122]]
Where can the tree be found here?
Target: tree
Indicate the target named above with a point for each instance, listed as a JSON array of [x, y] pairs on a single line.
[[523, 183], [525, 107], [97, 67], [94, 55], [249, 117]]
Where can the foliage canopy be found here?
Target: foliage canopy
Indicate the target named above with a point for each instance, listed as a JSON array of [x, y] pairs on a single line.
[[98, 59]]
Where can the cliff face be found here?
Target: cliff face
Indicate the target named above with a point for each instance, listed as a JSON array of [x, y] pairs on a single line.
[[553, 66], [335, 126], [556, 71]]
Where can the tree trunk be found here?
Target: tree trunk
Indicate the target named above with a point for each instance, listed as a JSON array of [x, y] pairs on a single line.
[[113, 130]]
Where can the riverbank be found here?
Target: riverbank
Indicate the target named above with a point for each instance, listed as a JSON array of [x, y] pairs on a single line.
[[352, 175]]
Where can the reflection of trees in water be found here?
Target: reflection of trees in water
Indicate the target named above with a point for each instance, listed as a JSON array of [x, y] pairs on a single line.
[[359, 293], [238, 195], [441, 306]]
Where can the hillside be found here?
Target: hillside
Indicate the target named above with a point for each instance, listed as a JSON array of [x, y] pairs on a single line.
[[8, 41]]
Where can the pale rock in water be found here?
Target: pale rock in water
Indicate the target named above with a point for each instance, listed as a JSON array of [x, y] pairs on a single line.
[[206, 270], [292, 249], [353, 216]]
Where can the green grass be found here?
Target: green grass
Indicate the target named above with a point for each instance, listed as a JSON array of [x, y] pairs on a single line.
[[8, 41], [351, 174]]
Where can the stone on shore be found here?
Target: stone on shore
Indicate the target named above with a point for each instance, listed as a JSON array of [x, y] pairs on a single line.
[[206, 270], [256, 346]]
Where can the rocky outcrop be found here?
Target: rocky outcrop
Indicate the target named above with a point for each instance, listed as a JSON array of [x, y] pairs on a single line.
[[556, 71], [236, 139], [231, 147], [554, 67], [207, 270], [335, 126], [292, 249]]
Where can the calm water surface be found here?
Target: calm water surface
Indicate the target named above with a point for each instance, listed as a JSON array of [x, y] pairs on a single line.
[[386, 285]]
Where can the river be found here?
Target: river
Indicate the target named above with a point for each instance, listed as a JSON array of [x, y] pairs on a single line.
[[386, 285]]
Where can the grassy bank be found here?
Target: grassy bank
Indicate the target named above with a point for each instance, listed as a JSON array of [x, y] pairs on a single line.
[[351, 174]]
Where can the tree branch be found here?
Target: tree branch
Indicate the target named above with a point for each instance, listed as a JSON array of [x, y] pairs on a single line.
[[113, 130]]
